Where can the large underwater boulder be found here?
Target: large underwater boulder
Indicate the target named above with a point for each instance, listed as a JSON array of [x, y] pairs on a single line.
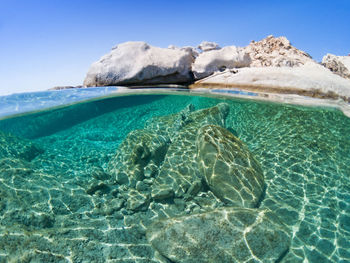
[[179, 170], [133, 63], [230, 170], [223, 235]]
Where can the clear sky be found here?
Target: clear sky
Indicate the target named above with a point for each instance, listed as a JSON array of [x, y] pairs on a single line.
[[48, 43]]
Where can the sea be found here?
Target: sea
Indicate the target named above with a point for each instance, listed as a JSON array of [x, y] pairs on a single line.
[[82, 171]]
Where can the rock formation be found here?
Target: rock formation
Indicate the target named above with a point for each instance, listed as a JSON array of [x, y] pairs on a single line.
[[180, 168], [272, 65], [218, 60], [223, 235], [230, 170], [339, 65], [190, 49], [276, 52], [207, 46], [138, 151], [133, 63], [311, 80], [201, 182]]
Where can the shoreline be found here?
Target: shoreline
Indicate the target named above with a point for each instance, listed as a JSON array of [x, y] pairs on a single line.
[[266, 94], [284, 98]]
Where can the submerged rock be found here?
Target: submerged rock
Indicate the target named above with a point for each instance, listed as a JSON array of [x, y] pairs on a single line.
[[13, 146], [139, 63], [180, 168], [170, 125], [339, 65], [218, 60], [223, 235], [230, 170], [137, 201], [138, 149]]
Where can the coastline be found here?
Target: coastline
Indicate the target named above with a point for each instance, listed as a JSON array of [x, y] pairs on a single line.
[[257, 93], [243, 93]]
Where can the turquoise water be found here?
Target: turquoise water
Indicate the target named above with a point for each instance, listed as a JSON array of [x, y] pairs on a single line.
[[63, 197]]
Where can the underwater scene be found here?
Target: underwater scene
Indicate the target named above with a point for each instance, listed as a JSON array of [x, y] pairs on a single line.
[[175, 178]]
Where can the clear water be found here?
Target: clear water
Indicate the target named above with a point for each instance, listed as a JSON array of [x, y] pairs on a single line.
[[59, 204], [33, 101]]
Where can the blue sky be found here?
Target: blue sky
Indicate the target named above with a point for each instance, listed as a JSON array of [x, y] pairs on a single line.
[[53, 42]]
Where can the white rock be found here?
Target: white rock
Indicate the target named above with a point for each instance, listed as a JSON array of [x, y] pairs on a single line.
[[173, 47], [310, 77], [218, 60], [140, 63], [207, 46], [339, 65], [276, 52], [190, 49]]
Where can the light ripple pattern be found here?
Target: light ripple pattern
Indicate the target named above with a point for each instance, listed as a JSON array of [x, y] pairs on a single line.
[[58, 203]]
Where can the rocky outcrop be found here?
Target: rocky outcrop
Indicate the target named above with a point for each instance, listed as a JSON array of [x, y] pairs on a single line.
[[218, 60], [207, 46], [66, 87], [339, 65], [271, 64], [139, 63], [230, 170], [190, 49], [311, 80], [276, 52], [223, 235]]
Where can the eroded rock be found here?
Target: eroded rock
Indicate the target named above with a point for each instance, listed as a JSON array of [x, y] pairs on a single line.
[[218, 60], [222, 235], [207, 46], [139, 63], [339, 65], [230, 170], [276, 52]]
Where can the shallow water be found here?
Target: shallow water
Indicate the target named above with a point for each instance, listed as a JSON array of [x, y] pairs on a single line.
[[60, 203]]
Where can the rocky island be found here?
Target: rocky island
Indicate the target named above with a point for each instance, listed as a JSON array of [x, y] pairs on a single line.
[[270, 65]]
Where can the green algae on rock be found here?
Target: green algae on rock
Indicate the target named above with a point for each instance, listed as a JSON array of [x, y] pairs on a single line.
[[223, 235], [230, 170]]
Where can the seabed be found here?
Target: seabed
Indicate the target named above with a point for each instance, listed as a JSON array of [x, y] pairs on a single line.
[[165, 176]]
